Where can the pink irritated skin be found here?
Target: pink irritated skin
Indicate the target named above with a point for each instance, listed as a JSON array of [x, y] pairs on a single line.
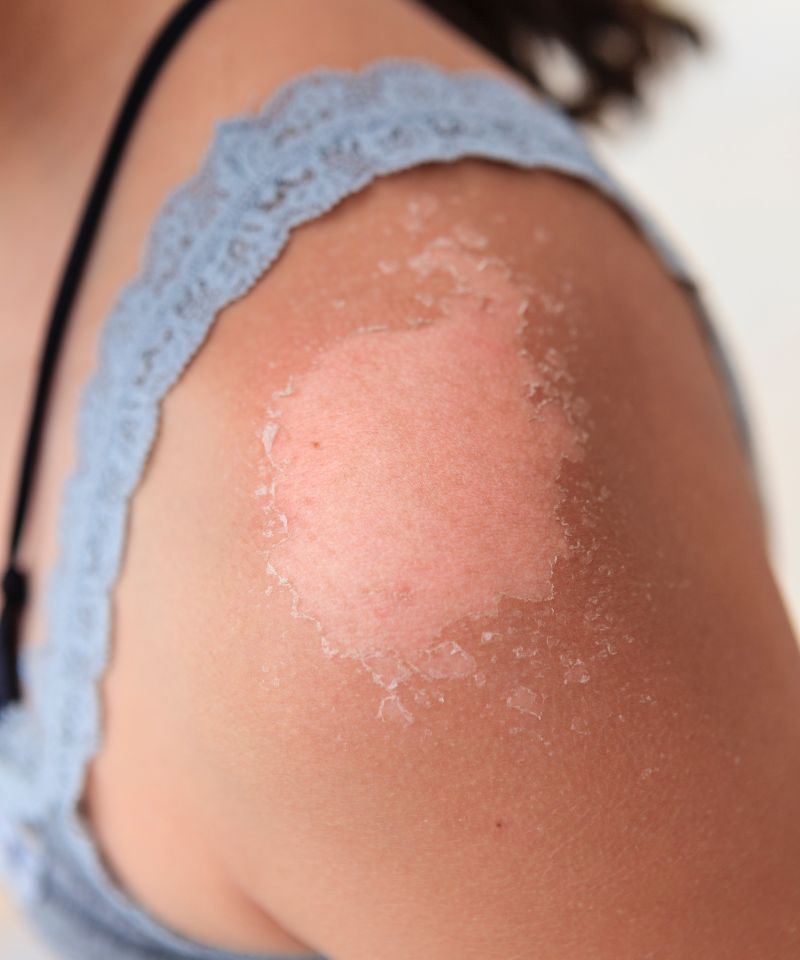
[[414, 481]]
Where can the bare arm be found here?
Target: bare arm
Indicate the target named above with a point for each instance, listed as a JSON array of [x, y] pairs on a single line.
[[591, 746]]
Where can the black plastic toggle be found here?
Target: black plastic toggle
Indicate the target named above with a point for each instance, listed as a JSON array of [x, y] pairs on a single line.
[[15, 594]]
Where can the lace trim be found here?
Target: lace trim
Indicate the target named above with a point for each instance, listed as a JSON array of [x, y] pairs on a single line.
[[318, 139]]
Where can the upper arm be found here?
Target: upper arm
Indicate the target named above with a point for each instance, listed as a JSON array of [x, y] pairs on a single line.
[[472, 645]]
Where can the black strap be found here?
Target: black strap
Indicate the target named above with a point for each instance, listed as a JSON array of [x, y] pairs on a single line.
[[14, 579]]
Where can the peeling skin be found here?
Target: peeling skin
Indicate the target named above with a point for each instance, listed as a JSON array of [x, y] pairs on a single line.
[[419, 210], [526, 701], [413, 476], [392, 710]]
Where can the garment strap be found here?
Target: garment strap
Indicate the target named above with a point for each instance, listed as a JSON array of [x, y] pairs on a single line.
[[15, 588]]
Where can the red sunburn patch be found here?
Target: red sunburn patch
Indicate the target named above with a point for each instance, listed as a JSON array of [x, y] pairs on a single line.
[[412, 476]]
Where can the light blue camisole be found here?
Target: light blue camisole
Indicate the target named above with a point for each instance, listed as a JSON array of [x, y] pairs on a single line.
[[319, 138]]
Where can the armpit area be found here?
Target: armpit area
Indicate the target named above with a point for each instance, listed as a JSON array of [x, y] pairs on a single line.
[[411, 470]]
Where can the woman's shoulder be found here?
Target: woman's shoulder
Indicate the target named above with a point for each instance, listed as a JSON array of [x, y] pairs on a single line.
[[417, 569], [388, 560]]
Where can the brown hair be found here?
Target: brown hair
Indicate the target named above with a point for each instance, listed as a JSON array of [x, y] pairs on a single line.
[[614, 43]]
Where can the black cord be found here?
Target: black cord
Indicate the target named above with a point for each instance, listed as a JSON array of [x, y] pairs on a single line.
[[14, 579]]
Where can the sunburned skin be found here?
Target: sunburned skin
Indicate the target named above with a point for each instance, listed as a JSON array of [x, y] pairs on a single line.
[[413, 475]]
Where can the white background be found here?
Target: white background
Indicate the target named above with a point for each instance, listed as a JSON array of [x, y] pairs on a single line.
[[718, 164]]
